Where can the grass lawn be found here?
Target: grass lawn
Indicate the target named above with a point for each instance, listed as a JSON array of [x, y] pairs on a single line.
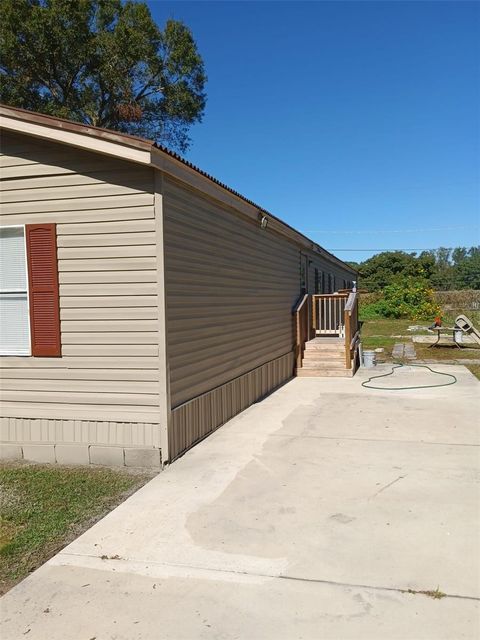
[[385, 333], [44, 507], [386, 327], [475, 369]]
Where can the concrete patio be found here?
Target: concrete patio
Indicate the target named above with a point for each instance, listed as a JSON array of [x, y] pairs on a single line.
[[310, 515]]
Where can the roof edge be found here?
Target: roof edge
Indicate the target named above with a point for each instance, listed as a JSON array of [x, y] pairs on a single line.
[[124, 140]]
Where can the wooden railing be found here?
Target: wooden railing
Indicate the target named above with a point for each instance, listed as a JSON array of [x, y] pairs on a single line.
[[328, 313], [352, 329], [301, 314]]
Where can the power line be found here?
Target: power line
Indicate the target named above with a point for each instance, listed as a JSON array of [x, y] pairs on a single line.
[[381, 231], [435, 249]]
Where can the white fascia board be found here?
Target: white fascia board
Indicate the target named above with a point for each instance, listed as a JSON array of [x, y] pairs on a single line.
[[87, 142]]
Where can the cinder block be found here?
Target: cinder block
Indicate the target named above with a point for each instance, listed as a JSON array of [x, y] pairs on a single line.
[[10, 452], [72, 454], [39, 452], [149, 458], [108, 456]]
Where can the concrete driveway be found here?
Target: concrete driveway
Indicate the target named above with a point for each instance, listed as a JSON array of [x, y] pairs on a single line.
[[308, 516]]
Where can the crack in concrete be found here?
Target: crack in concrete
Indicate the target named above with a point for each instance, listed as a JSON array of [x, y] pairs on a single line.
[[377, 588], [443, 444], [388, 485], [239, 572]]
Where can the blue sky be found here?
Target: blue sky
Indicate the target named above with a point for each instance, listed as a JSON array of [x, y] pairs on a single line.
[[355, 122]]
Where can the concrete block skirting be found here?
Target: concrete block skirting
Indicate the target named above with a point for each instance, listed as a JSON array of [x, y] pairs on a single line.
[[148, 458], [62, 441], [39, 452], [10, 451], [82, 454], [72, 454], [108, 456]]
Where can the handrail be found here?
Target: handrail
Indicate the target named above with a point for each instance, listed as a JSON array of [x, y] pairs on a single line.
[[352, 332], [352, 297], [329, 295], [301, 314], [354, 339], [300, 303]]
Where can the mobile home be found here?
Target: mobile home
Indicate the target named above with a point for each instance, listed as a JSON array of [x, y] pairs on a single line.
[[143, 303]]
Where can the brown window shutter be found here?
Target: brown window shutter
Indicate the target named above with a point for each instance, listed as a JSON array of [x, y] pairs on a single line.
[[43, 289]]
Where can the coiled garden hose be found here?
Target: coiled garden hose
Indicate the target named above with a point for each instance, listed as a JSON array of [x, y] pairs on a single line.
[[397, 365]]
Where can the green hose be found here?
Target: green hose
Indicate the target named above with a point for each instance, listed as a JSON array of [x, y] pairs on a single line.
[[397, 365]]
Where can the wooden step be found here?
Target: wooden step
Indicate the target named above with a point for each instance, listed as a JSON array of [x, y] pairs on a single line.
[[315, 355], [325, 372], [321, 364], [324, 346], [325, 349]]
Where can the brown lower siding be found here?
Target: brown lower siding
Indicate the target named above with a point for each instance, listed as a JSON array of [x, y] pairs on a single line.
[[198, 417]]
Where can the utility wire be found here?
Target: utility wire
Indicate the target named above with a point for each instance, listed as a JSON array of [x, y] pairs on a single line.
[[380, 231], [378, 249]]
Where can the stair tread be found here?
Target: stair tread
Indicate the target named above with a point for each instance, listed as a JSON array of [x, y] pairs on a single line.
[[324, 372], [315, 355], [323, 365]]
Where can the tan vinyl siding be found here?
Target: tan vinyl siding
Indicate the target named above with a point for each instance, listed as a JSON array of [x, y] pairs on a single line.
[[230, 291], [104, 210], [323, 265]]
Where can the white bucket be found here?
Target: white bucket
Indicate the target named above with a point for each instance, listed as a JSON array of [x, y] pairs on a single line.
[[369, 359]]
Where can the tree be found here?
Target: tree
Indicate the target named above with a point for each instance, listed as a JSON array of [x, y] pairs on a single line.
[[459, 254], [104, 63], [387, 267], [467, 270], [354, 265], [443, 269]]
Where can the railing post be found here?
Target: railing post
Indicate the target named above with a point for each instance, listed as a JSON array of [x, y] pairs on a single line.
[[348, 338], [302, 327], [314, 311], [299, 338], [313, 332]]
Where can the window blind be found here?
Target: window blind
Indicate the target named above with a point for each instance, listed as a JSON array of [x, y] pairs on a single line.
[[14, 320]]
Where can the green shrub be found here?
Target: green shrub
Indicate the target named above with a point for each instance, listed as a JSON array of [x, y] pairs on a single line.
[[412, 299], [368, 298], [370, 311]]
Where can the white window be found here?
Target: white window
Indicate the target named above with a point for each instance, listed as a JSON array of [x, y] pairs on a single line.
[[14, 315]]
